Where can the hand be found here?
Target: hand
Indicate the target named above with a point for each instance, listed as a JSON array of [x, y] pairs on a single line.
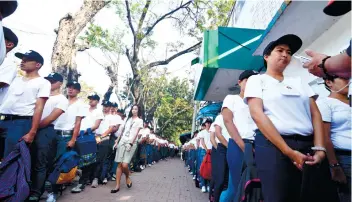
[[297, 158], [115, 145], [28, 138], [312, 66], [128, 147], [338, 175], [317, 158], [71, 143], [98, 139]]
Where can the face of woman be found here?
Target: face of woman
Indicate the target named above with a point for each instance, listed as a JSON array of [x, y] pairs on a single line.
[[339, 84], [279, 58], [135, 111]]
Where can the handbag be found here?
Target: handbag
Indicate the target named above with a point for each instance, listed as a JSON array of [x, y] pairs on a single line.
[[205, 168], [86, 147]]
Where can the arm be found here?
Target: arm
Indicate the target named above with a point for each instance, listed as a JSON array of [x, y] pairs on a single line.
[[212, 140], [203, 143], [220, 136], [135, 136], [108, 132], [38, 111], [71, 143], [231, 128], [52, 117], [96, 124]]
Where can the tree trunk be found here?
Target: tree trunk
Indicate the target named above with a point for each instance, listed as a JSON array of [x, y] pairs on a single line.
[[64, 50]]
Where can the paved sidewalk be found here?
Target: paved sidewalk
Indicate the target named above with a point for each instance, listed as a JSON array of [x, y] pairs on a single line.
[[166, 181]]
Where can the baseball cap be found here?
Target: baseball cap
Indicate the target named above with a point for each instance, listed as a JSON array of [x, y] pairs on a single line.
[[10, 36], [54, 77], [93, 96], [207, 121], [114, 104], [246, 74], [291, 40], [7, 7], [106, 103], [337, 8], [31, 54], [74, 84]]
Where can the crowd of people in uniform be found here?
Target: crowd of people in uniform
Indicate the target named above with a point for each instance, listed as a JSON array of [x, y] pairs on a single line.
[[36, 115], [275, 141]]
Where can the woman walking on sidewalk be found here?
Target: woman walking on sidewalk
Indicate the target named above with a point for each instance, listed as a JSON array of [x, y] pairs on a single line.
[[127, 146]]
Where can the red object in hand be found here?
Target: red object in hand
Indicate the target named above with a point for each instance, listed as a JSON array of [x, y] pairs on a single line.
[[205, 168]]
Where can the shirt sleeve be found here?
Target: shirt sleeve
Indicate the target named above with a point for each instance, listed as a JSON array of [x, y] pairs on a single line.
[[99, 115], [253, 88], [139, 123], [44, 89], [325, 110], [218, 121], [82, 110], [63, 104], [7, 73], [228, 103], [308, 90], [212, 127]]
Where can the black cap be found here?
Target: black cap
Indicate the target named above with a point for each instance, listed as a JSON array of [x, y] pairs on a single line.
[[106, 103], [121, 111], [7, 7], [246, 74], [54, 77], [291, 40], [207, 121], [337, 8], [74, 84], [10, 36], [31, 54], [94, 96], [114, 104]]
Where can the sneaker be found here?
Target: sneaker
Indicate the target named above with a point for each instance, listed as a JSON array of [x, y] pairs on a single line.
[[142, 168], [77, 189], [208, 189], [113, 178], [105, 181], [194, 177], [149, 165], [95, 183], [33, 198], [51, 197], [203, 189]]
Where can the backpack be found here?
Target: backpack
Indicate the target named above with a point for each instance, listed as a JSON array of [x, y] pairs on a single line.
[[205, 168], [64, 168], [86, 147]]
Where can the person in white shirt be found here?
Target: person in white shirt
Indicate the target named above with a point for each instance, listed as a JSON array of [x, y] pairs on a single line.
[[22, 108], [336, 114], [45, 139], [90, 123], [151, 148], [287, 116], [204, 147], [67, 127], [8, 69], [127, 146], [143, 138], [193, 152]]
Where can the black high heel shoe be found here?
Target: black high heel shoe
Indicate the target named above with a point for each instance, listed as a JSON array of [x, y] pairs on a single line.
[[129, 185], [113, 191]]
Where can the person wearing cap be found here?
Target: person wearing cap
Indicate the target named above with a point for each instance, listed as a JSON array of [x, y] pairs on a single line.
[[22, 107], [204, 147], [6, 9], [44, 141], [143, 138], [236, 129], [287, 116], [8, 69], [67, 127], [90, 123], [336, 114]]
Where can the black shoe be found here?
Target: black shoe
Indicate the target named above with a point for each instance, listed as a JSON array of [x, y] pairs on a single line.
[[113, 191], [129, 185]]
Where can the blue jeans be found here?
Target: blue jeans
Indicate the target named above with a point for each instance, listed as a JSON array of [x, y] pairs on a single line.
[[149, 154], [221, 171], [235, 163], [344, 191], [14, 130], [201, 154], [42, 158]]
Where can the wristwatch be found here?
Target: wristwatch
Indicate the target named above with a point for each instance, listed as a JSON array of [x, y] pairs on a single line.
[[322, 65]]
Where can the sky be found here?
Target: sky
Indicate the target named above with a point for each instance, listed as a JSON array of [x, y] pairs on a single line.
[[34, 22]]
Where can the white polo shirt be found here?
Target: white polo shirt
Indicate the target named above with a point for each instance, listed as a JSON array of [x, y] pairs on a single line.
[[122, 125], [286, 103], [131, 129], [22, 96], [219, 121], [144, 132], [67, 120], [8, 71], [55, 102], [205, 135], [241, 116], [106, 123], [194, 142], [92, 116], [338, 114], [212, 130]]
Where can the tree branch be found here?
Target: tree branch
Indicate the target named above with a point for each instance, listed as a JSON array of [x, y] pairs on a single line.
[[129, 18], [185, 5], [144, 13], [167, 61], [171, 118]]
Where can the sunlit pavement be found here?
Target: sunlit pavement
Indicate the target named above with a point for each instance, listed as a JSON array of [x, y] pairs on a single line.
[[165, 181]]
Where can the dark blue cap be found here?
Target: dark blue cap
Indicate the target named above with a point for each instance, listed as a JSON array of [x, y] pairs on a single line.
[[106, 103], [32, 55], [10, 36], [7, 7], [54, 77], [94, 96], [246, 74], [74, 84], [291, 40], [114, 104]]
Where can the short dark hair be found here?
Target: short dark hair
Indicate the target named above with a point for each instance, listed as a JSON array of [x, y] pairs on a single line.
[[328, 77]]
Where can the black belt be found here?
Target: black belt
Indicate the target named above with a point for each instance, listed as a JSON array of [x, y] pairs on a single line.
[[248, 141], [342, 152], [298, 137], [64, 133], [10, 117]]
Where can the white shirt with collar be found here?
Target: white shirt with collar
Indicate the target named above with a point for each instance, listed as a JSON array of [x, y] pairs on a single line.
[[131, 128], [144, 132], [22, 96], [8, 72], [92, 116], [67, 120], [54, 102], [286, 103], [212, 130], [219, 121], [205, 135], [106, 123], [2, 44]]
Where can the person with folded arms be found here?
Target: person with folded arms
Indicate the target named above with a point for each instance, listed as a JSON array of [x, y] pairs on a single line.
[[287, 116]]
